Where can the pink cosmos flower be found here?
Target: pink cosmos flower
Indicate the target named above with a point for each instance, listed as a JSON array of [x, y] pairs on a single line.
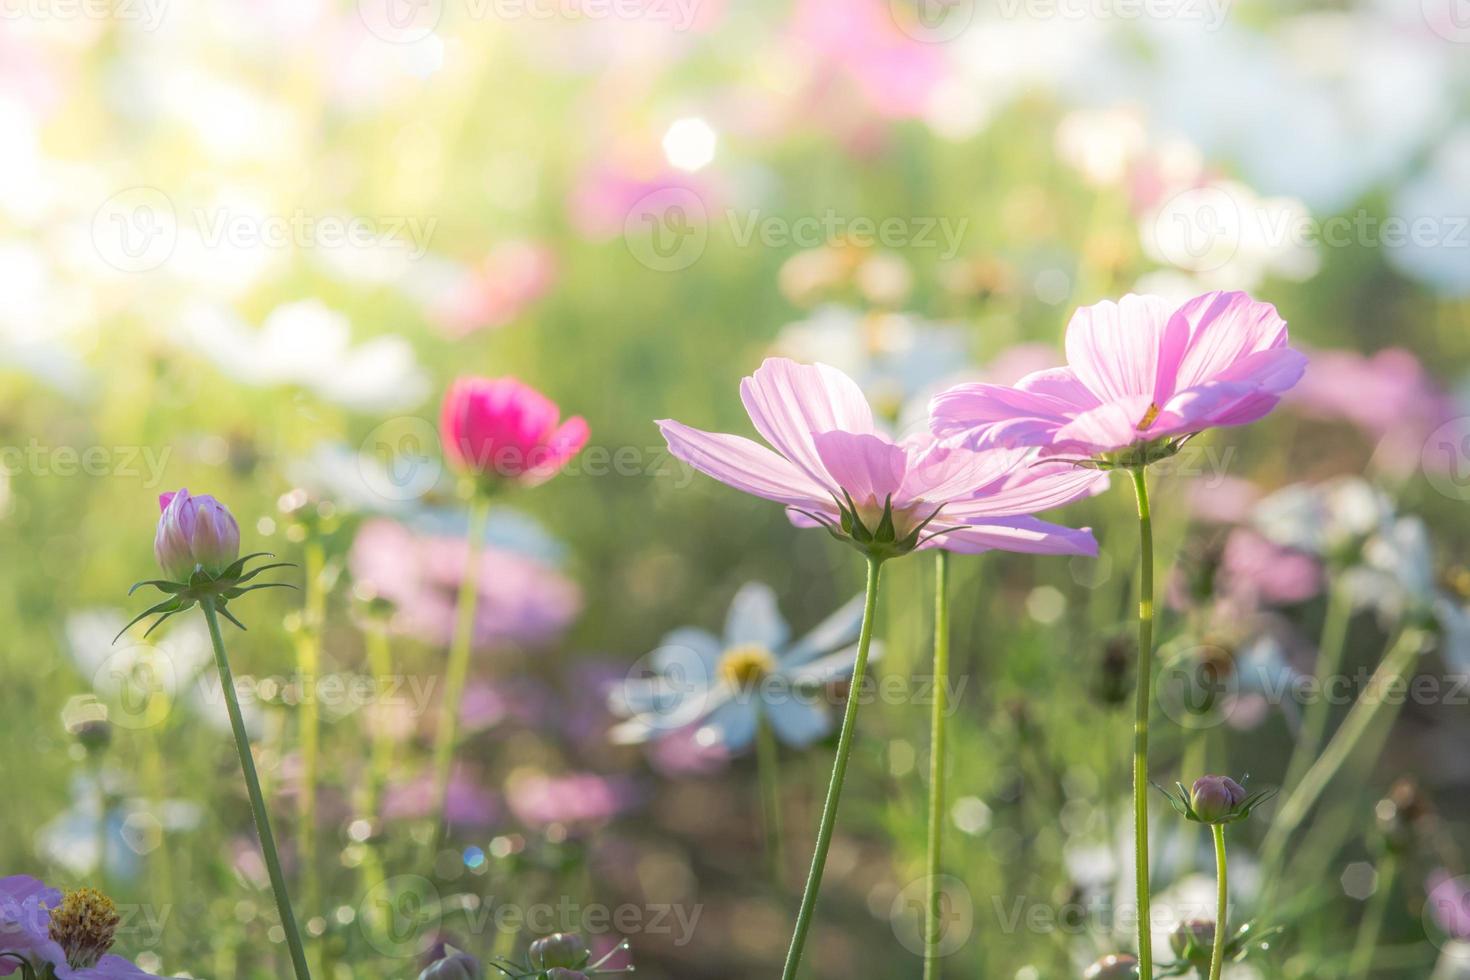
[[66, 937], [502, 429], [1137, 371], [194, 532], [833, 467], [578, 799]]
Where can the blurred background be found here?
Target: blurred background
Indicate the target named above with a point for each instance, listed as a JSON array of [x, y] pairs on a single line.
[[246, 244]]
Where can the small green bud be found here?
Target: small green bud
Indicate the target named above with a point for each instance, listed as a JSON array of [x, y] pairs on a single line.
[[1194, 941], [560, 949]]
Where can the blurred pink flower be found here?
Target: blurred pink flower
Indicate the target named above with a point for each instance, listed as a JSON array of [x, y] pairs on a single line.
[[1256, 570], [607, 197], [681, 753], [522, 601], [468, 804], [1137, 371], [859, 43], [1449, 903], [579, 799], [492, 294], [832, 467], [1227, 500], [503, 429], [1389, 396]]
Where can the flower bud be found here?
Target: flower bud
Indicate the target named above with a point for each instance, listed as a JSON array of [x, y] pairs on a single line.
[[1215, 797], [1194, 940], [564, 949], [194, 532], [1114, 966], [455, 966]]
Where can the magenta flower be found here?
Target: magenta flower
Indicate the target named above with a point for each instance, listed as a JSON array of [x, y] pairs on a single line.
[[194, 532], [1138, 372], [467, 803], [833, 467], [499, 429]]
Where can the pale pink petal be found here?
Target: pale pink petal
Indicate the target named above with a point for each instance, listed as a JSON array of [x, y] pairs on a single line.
[[790, 403], [870, 468], [1127, 349], [939, 472], [742, 464], [1243, 393], [1223, 329], [1034, 487], [1024, 534], [1107, 427], [994, 415]]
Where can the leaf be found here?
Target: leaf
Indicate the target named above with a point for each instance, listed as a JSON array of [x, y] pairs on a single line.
[[230, 616], [163, 585], [169, 605], [263, 568]]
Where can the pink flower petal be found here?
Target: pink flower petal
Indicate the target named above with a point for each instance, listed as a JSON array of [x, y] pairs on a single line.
[[1223, 329], [1126, 349], [744, 465], [790, 403], [1023, 534], [868, 467]]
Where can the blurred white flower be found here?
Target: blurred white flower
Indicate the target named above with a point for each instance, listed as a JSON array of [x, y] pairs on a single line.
[[1434, 208], [304, 343], [1328, 519], [726, 686], [1102, 144]]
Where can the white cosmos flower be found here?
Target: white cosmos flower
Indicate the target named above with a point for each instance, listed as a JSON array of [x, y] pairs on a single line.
[[305, 343], [726, 685]]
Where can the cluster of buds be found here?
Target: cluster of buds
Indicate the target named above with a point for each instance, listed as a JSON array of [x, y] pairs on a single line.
[[1193, 943], [559, 956], [1216, 800]]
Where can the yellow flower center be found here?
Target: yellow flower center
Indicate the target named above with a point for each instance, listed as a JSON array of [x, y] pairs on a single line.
[[746, 666], [1148, 417], [84, 925]]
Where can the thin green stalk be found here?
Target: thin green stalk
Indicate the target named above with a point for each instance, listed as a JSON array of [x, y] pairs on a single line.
[[1329, 661], [1142, 700], [1372, 927], [459, 661], [1391, 671], [257, 799], [380, 764], [839, 773], [308, 668], [768, 766], [1222, 902], [933, 925]]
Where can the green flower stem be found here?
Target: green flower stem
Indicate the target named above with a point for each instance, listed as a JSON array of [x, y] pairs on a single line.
[[257, 799], [459, 661], [308, 667], [1372, 925], [839, 772], [1222, 903], [1329, 661], [1391, 671], [768, 766], [1142, 702], [380, 662], [933, 924]]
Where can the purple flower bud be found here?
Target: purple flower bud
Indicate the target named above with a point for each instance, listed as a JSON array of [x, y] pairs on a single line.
[[1114, 966], [564, 949], [455, 966], [194, 531], [1215, 797], [1194, 940]]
